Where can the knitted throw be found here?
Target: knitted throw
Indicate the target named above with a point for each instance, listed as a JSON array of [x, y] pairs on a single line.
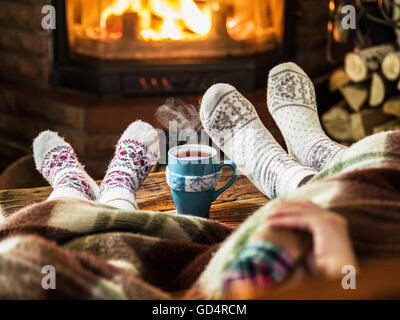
[[103, 253]]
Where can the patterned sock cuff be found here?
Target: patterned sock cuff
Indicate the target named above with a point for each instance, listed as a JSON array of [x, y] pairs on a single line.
[[263, 263], [67, 193], [118, 194]]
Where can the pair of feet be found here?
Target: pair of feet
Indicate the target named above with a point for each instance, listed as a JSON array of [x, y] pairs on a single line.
[[136, 153], [234, 126]]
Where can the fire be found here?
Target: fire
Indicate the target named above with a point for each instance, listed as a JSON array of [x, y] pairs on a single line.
[[162, 19]]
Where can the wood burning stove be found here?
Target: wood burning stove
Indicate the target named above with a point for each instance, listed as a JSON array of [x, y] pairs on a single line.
[[142, 47]]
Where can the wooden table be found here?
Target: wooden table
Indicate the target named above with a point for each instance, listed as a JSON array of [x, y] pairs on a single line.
[[232, 207]]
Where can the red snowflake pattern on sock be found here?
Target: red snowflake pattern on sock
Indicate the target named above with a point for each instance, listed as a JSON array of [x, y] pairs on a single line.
[[62, 160], [131, 159]]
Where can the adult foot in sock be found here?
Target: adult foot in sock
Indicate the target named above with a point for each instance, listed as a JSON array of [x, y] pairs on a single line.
[[234, 126], [291, 102], [136, 153], [56, 161]]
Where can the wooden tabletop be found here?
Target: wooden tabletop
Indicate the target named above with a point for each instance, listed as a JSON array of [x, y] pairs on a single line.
[[232, 207]]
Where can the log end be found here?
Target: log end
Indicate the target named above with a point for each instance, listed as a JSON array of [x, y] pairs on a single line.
[[356, 68]]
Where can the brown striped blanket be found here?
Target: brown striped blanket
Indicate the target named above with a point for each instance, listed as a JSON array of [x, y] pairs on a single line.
[[98, 252]]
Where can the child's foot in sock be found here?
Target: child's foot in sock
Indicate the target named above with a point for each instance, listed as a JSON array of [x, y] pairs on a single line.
[[292, 104], [56, 161], [136, 153], [234, 126]]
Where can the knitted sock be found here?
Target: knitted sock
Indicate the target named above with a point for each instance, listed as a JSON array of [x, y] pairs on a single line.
[[56, 161], [135, 155], [292, 104], [234, 126]]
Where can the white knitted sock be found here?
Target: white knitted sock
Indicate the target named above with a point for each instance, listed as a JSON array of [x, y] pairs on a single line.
[[56, 161], [234, 126], [292, 104], [136, 153]]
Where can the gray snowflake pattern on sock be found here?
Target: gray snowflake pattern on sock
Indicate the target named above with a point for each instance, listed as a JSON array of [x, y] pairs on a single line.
[[292, 104], [234, 126]]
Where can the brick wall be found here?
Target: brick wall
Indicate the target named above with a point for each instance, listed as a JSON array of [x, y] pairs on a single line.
[[25, 57], [309, 20], [25, 48]]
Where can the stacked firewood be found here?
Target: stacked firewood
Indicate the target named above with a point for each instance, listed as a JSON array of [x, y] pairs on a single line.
[[370, 86]]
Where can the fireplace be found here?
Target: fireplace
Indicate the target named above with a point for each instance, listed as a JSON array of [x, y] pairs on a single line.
[[48, 83], [142, 47]]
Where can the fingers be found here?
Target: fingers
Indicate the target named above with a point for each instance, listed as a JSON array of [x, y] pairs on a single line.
[[289, 221], [297, 204], [300, 215], [331, 244], [297, 208]]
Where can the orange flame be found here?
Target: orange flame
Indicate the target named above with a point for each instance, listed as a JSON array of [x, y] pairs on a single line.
[[179, 18]]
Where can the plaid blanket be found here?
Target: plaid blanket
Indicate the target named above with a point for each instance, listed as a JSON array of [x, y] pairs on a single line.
[[98, 252]]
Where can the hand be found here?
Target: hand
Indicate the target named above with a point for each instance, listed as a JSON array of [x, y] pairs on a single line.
[[332, 248]]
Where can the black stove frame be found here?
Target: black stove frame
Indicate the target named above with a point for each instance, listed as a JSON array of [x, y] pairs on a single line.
[[157, 76]]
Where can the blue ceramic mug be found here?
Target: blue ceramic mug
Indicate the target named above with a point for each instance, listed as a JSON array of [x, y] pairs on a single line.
[[193, 173]]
